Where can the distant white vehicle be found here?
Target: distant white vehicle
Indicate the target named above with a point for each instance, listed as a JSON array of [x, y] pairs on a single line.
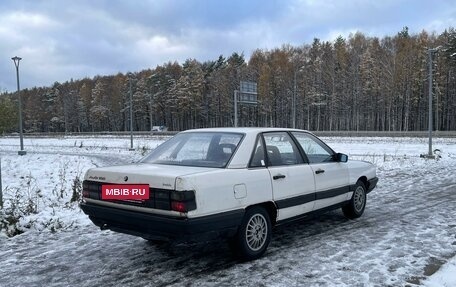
[[233, 182], [159, 129]]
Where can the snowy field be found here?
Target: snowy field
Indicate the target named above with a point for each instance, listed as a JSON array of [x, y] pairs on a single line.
[[407, 236]]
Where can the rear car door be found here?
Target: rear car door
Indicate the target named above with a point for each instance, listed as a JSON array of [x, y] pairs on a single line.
[[331, 177], [292, 179]]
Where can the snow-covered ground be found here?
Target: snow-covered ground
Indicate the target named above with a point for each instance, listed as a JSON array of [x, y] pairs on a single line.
[[407, 233], [83, 145]]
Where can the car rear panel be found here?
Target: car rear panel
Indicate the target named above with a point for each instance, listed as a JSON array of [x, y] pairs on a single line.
[[158, 198]]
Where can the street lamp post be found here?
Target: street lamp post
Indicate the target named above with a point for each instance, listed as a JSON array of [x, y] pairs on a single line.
[[16, 60], [131, 114], [430, 123]]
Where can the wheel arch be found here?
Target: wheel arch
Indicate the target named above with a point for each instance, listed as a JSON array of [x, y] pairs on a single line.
[[270, 207], [363, 179]]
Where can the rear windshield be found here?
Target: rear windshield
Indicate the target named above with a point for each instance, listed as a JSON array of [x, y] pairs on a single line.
[[200, 149]]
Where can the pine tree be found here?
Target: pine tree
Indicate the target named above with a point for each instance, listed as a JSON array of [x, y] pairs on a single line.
[[8, 120]]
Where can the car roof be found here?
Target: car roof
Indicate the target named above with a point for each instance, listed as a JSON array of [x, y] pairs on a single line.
[[245, 130]]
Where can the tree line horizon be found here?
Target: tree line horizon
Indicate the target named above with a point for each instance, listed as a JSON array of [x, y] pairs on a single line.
[[359, 83]]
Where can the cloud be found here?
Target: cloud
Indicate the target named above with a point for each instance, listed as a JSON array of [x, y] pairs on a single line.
[[60, 40], [159, 49], [27, 20]]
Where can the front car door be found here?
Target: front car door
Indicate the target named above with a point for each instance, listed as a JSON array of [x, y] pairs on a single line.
[[331, 177], [293, 183]]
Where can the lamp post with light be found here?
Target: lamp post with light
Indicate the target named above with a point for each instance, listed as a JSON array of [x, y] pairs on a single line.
[[16, 60]]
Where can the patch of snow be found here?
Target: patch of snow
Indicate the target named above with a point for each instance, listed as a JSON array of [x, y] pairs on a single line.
[[83, 144], [445, 277], [407, 227]]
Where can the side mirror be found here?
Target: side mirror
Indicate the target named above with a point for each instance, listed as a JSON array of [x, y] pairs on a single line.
[[340, 157]]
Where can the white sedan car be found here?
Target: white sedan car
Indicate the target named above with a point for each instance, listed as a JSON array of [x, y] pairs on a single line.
[[232, 182]]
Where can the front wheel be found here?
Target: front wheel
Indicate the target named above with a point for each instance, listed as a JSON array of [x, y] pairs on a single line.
[[357, 204], [254, 234]]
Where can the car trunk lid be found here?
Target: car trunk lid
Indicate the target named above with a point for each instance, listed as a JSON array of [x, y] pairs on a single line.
[[160, 178], [155, 175]]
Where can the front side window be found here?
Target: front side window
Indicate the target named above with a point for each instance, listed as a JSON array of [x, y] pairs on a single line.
[[281, 150], [201, 149], [316, 151]]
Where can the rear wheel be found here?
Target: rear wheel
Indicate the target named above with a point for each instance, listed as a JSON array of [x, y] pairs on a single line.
[[357, 204], [254, 234]]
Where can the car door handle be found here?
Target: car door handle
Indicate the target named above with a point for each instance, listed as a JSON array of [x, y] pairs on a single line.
[[279, 176], [318, 171]]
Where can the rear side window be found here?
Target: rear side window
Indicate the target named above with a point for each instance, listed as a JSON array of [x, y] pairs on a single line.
[[258, 159]]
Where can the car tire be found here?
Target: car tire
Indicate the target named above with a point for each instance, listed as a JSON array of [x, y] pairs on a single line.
[[254, 234], [357, 204]]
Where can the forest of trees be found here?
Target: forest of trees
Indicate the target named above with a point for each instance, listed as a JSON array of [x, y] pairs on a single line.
[[359, 83]]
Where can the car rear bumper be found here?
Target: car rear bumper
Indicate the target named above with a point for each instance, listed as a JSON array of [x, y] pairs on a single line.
[[371, 184], [153, 226]]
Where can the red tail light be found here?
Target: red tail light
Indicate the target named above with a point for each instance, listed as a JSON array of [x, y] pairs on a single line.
[[178, 206], [183, 201]]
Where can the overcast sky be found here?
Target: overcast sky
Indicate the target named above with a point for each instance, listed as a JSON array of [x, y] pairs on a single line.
[[59, 40]]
